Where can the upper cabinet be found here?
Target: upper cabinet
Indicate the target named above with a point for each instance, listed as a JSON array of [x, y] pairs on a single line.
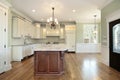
[[23, 27], [27, 28], [62, 32], [43, 32], [18, 27], [46, 30], [51, 31], [36, 31]]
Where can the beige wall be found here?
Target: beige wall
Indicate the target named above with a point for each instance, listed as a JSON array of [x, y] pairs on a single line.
[[107, 10]]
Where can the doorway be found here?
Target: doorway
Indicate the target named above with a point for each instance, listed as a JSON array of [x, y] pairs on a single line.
[[114, 36]]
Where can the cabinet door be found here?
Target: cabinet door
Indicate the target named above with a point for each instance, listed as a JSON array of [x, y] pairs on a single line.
[[18, 27], [37, 32], [18, 53], [54, 62], [28, 50], [41, 62], [22, 27], [70, 40], [15, 27], [27, 28], [1, 61], [43, 33], [32, 31], [2, 39], [62, 33]]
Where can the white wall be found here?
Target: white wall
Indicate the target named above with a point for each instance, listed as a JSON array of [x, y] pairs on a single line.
[[105, 49], [88, 48], [105, 54]]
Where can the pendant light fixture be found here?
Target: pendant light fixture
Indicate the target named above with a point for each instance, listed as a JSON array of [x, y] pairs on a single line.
[[52, 20], [95, 19]]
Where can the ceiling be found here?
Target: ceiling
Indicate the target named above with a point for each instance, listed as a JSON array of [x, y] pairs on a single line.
[[84, 9]]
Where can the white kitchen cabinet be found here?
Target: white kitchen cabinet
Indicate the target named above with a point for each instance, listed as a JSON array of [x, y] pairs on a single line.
[[2, 60], [62, 32], [27, 28], [28, 50], [43, 32], [23, 27], [4, 55], [70, 37], [21, 51], [32, 29], [18, 27], [37, 32], [18, 53]]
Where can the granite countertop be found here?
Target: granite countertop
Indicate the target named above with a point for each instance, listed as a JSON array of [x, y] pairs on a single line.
[[22, 44], [46, 47], [49, 49]]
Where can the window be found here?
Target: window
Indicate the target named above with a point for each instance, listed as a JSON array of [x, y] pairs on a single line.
[[90, 33], [116, 38]]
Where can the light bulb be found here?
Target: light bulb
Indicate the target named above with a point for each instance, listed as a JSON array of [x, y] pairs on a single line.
[[48, 20]]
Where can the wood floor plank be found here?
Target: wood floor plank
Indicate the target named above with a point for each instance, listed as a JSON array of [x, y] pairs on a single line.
[[77, 67]]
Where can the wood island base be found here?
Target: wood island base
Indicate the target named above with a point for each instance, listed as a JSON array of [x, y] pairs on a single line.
[[49, 62]]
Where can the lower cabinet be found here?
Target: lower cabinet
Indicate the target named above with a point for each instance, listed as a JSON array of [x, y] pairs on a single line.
[[5, 60], [54, 62], [41, 62], [2, 59], [48, 62], [20, 52]]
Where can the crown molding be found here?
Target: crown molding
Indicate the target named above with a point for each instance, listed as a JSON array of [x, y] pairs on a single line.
[[106, 3], [5, 3]]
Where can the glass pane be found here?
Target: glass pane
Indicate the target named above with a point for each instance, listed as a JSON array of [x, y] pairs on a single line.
[[90, 33], [116, 38]]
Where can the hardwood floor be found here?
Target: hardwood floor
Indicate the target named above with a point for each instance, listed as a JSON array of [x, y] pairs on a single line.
[[77, 67]]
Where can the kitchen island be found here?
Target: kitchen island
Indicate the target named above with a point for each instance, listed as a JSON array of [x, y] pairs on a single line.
[[49, 61]]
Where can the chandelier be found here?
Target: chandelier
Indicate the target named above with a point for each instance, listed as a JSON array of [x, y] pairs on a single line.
[[95, 19], [52, 20]]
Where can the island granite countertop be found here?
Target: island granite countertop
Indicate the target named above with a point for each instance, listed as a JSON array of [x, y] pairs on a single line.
[[50, 48]]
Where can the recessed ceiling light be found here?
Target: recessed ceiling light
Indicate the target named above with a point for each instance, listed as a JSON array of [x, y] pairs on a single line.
[[33, 10], [73, 10]]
